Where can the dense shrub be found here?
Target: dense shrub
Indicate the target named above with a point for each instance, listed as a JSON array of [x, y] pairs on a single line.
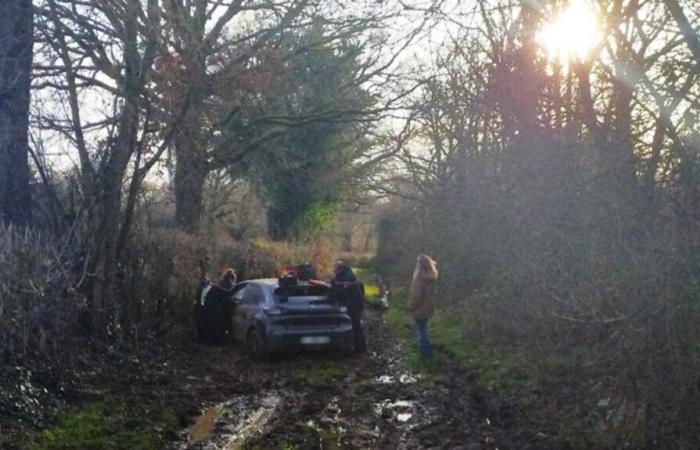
[[44, 281], [573, 268], [40, 277], [164, 267]]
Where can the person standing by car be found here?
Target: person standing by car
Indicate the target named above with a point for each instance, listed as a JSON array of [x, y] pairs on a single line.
[[225, 286], [422, 301], [350, 293], [228, 281], [218, 309]]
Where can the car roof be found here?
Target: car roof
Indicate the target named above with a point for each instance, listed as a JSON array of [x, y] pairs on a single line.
[[274, 282], [270, 282]]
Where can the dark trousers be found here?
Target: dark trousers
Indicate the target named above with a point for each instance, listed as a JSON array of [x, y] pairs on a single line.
[[425, 348], [360, 345]]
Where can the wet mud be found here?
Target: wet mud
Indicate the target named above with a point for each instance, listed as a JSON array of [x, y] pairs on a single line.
[[322, 401]]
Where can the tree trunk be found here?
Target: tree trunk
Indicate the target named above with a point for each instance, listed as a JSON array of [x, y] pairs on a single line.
[[16, 41], [191, 167], [190, 174], [112, 177], [652, 164], [619, 154], [525, 104], [691, 37], [280, 223]]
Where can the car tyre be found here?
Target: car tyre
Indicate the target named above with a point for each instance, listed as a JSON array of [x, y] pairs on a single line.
[[255, 346], [219, 326], [201, 331], [342, 352]]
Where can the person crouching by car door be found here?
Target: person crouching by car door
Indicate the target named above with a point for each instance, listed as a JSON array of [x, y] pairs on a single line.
[[350, 293]]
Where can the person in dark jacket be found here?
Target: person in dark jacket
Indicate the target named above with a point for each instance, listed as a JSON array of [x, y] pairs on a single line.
[[350, 293], [218, 309]]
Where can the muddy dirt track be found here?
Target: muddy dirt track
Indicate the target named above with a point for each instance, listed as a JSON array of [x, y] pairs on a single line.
[[321, 401]]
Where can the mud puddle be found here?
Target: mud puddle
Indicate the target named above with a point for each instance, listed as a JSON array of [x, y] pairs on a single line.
[[375, 402], [227, 426], [369, 402], [404, 378], [401, 410]]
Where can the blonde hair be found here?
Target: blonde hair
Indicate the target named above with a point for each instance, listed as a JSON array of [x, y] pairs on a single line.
[[426, 267], [424, 276], [228, 273]]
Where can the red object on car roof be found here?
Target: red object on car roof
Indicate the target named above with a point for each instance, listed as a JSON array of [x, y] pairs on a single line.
[[287, 271], [319, 283], [304, 273]]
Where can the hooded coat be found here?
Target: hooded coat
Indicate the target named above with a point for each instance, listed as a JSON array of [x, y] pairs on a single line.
[[422, 299], [348, 290]]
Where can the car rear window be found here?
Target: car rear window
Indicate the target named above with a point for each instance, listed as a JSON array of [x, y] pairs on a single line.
[[302, 293]]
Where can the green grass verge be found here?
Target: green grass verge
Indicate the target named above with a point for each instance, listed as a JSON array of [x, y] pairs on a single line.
[[515, 376], [510, 377], [106, 425], [499, 371]]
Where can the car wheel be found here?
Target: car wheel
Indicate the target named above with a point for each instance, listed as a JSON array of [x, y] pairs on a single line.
[[343, 352], [255, 346], [219, 328]]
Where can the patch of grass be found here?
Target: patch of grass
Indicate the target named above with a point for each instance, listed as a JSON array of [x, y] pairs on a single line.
[[106, 425], [318, 373], [595, 419], [499, 371], [282, 446]]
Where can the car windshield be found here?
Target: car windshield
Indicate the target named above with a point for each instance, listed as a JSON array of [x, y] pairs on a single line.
[[301, 293]]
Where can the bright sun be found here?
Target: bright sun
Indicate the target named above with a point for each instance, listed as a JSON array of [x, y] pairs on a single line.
[[572, 33]]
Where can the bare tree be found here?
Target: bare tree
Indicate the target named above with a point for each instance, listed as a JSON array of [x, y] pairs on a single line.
[[206, 52], [690, 34], [108, 49], [16, 41], [222, 62]]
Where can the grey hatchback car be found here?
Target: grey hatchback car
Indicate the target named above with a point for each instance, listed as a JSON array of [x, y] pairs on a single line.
[[272, 317]]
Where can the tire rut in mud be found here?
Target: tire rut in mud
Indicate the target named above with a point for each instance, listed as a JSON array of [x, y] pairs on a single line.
[[368, 402]]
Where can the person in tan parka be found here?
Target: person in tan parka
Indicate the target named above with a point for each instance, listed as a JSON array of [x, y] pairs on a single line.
[[422, 301]]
